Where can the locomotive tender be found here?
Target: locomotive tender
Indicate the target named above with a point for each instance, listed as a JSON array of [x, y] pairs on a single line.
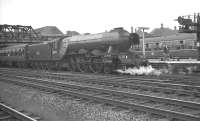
[[103, 52]]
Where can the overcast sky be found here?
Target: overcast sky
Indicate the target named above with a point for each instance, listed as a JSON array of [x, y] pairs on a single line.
[[94, 16]]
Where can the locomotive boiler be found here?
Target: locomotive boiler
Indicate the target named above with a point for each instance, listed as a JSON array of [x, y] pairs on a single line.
[[118, 39], [103, 52]]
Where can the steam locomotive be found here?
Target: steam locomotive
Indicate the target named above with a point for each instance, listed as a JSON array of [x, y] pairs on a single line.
[[97, 53]]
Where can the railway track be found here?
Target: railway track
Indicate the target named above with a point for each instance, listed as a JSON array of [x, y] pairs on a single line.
[[171, 108], [148, 87], [10, 114], [175, 79]]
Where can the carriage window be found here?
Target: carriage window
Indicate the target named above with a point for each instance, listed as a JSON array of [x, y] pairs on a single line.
[[157, 46], [147, 45], [20, 52], [11, 53], [23, 52], [15, 53], [181, 42]]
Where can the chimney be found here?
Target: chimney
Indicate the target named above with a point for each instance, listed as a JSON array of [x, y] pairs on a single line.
[[174, 28], [131, 29], [161, 26]]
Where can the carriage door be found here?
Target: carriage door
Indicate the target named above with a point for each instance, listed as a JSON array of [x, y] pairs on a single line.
[[55, 50]]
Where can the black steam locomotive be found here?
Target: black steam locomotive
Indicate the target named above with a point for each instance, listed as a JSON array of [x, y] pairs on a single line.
[[103, 52]]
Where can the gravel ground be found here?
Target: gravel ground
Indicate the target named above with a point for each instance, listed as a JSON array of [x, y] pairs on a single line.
[[53, 107]]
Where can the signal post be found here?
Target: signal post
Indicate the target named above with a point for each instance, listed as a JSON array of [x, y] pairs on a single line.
[[143, 42]]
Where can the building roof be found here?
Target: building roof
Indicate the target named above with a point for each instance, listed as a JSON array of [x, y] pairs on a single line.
[[162, 32], [49, 31]]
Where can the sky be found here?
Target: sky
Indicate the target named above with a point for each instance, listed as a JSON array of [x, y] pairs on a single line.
[[95, 16]]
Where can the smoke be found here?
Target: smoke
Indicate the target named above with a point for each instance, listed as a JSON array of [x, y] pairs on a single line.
[[148, 70]]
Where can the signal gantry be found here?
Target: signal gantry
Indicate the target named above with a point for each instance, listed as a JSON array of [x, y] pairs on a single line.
[[191, 24]]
